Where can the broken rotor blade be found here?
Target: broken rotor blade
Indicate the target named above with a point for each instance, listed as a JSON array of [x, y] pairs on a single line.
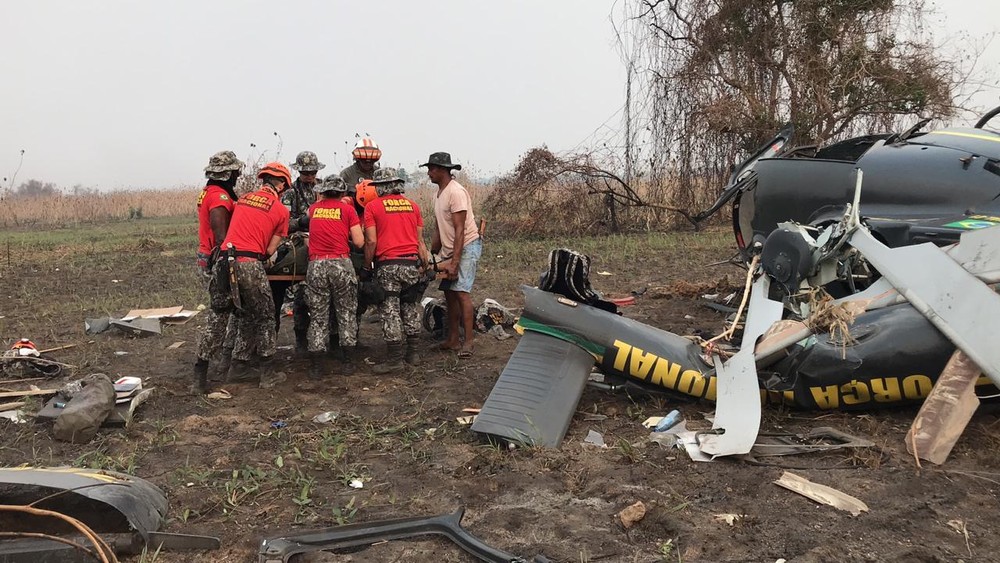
[[961, 306], [737, 407]]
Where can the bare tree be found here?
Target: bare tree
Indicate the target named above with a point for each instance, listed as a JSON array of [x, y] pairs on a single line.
[[724, 75]]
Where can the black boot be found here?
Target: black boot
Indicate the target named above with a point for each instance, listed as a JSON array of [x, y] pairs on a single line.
[[317, 365], [333, 347], [199, 384], [217, 371], [301, 342], [393, 359], [241, 370], [412, 343], [347, 360]]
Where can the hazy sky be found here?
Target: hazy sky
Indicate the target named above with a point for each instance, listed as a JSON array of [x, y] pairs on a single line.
[[122, 93]]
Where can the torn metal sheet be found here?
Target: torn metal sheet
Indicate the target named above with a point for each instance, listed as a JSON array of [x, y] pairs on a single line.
[[820, 439], [536, 395], [363, 534], [821, 493], [946, 412], [137, 327], [979, 253], [737, 410], [96, 326], [107, 501], [962, 307]]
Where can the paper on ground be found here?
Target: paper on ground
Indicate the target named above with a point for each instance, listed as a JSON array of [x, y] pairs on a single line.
[[821, 493]]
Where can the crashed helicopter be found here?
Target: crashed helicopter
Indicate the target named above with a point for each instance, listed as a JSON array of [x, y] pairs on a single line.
[[909, 269]]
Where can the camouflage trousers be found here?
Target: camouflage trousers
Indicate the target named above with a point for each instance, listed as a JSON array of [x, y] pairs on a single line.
[[398, 319], [255, 331], [213, 340], [331, 283]]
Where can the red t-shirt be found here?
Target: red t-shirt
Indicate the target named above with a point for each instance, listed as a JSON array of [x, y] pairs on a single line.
[[330, 222], [395, 219], [257, 217], [211, 197]]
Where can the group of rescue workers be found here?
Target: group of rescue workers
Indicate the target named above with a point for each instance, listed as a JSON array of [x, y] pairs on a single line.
[[361, 232]]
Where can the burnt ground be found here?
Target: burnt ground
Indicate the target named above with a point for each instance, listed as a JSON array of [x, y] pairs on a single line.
[[228, 472]]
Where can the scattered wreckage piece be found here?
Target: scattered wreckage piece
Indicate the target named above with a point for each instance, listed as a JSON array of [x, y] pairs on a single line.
[[30, 550], [821, 493], [536, 395], [943, 416], [125, 510], [284, 549], [820, 439], [105, 500]]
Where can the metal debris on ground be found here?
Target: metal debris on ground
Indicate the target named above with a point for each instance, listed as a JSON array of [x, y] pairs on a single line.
[[820, 439], [595, 438], [365, 534], [15, 416], [128, 511], [325, 417]]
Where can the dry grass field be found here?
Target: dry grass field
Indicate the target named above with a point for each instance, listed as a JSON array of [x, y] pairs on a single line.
[[228, 471]]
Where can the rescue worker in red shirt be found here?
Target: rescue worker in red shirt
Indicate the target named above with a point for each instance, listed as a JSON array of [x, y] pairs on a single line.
[[394, 243], [259, 223], [215, 207], [330, 279]]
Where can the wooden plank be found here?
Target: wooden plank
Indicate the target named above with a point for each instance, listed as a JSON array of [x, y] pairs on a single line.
[[28, 393], [11, 406]]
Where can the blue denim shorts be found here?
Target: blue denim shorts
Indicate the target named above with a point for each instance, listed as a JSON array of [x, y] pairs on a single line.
[[466, 268]]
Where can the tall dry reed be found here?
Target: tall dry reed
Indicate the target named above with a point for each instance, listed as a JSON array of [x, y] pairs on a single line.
[[118, 205]]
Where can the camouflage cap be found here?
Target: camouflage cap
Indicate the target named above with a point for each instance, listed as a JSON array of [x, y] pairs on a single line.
[[385, 176], [222, 164], [387, 181], [332, 183], [307, 161]]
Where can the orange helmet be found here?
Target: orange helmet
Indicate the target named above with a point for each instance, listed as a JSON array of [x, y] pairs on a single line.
[[365, 193], [366, 149], [278, 170], [25, 347]]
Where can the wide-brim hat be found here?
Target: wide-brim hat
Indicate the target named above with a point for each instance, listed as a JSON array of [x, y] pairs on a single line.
[[307, 167], [443, 160], [307, 161], [222, 164]]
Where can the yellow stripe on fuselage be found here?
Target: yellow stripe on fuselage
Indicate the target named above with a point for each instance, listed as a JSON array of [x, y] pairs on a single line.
[[994, 138]]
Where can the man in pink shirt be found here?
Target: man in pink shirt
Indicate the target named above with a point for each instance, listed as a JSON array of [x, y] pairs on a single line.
[[457, 244]]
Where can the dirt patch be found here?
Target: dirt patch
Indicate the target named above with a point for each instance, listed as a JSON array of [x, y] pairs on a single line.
[[229, 470]]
